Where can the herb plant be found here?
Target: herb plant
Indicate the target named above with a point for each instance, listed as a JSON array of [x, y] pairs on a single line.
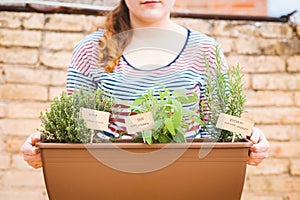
[[168, 114], [223, 94], [63, 124]]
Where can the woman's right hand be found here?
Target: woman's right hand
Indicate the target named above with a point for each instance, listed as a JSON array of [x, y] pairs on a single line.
[[31, 153]]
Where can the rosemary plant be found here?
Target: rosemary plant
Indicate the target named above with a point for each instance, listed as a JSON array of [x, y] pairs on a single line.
[[223, 94]]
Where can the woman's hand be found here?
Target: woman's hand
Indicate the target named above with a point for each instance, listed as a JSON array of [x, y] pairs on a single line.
[[259, 149], [31, 153]]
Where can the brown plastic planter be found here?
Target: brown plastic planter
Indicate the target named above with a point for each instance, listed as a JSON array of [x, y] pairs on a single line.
[[122, 171]]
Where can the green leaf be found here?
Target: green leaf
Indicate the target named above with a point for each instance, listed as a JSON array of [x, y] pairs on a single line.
[[162, 95], [179, 137], [188, 99], [158, 124], [169, 104], [163, 138], [147, 136], [170, 126], [177, 113], [155, 136], [180, 93], [138, 101]]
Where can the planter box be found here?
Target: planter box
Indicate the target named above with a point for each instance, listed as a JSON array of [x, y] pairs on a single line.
[[121, 171]]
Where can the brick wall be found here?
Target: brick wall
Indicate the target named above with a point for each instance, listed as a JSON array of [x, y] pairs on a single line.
[[35, 50], [89, 2], [232, 7]]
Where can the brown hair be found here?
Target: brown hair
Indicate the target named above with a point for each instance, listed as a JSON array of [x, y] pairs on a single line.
[[116, 36]]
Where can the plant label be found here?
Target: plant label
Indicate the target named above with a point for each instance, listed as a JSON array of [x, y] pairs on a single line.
[[139, 122], [235, 124], [94, 119]]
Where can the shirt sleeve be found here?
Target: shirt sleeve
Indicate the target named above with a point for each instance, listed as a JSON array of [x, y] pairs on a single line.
[[82, 62]]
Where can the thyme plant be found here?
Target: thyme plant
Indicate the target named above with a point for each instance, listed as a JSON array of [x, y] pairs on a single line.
[[63, 124]]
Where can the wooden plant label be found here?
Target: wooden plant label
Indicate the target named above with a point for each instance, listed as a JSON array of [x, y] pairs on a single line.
[[94, 119], [139, 122], [235, 124]]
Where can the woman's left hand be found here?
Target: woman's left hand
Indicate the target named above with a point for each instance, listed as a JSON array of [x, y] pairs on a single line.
[[259, 150]]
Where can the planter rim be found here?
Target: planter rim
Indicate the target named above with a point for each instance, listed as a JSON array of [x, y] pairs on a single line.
[[130, 145]]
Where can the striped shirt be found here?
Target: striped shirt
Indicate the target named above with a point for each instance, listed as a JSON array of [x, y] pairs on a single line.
[[126, 82]]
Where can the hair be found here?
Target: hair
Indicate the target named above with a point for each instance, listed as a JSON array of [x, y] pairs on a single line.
[[116, 36]]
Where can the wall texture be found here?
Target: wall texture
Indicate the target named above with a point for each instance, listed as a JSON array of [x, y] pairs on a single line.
[[232, 7], [35, 50]]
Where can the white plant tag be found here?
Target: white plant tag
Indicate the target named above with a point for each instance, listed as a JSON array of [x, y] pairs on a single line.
[[94, 119], [139, 122], [235, 124]]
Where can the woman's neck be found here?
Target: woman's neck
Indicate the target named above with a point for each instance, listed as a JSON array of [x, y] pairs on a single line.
[[163, 25], [135, 24], [163, 22]]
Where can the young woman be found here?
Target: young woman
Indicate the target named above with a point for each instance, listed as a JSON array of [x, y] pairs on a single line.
[[140, 48]]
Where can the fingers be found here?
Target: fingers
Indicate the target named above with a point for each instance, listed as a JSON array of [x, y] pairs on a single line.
[[36, 137], [28, 149], [259, 149], [256, 158], [36, 165], [260, 143], [35, 140], [254, 162], [256, 135], [31, 153], [34, 160], [262, 146], [260, 155]]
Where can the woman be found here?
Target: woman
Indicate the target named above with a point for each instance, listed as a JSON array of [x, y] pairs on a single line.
[[139, 48]]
